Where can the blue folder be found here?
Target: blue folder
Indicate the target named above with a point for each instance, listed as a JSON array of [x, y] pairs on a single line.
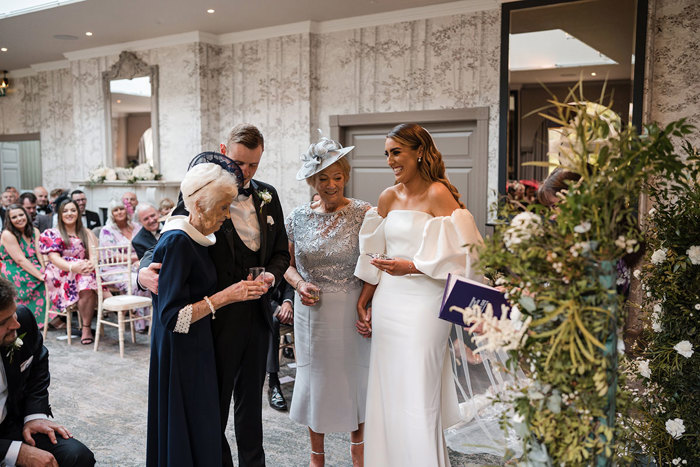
[[465, 293]]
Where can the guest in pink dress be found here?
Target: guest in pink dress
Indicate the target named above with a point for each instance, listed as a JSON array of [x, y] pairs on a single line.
[[70, 275]]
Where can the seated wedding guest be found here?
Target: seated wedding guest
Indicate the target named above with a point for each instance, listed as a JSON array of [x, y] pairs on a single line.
[[119, 230], [70, 275], [20, 263], [53, 196], [28, 202], [42, 200], [332, 358], [90, 218], [11, 197], [147, 237], [27, 436], [183, 401], [6, 200], [165, 207], [282, 300]]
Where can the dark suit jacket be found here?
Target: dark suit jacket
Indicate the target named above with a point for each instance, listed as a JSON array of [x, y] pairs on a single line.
[[43, 222], [27, 377], [274, 245], [93, 219], [143, 241], [283, 291]]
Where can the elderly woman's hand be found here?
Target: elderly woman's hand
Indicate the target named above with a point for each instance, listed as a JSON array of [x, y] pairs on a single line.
[[364, 321], [243, 291], [308, 293], [82, 267]]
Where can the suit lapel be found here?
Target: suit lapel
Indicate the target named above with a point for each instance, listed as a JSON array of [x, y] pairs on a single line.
[[11, 370], [261, 221]]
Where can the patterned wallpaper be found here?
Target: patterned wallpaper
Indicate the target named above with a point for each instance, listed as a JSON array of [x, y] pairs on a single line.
[[674, 46], [289, 86]]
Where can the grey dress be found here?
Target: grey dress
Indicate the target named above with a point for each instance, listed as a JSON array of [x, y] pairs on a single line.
[[332, 358]]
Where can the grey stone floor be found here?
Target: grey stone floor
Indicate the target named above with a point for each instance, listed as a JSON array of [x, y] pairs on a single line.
[[102, 399]]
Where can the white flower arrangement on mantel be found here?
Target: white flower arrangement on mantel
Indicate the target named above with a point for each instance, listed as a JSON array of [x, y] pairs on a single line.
[[142, 172]]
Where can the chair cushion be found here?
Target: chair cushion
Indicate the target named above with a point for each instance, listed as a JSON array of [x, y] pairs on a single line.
[[125, 302]]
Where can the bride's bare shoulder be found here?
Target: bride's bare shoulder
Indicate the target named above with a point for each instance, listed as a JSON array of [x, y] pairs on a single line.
[[386, 199]]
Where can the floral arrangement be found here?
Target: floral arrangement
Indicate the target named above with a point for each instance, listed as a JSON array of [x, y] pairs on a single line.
[[668, 365], [103, 174], [560, 271]]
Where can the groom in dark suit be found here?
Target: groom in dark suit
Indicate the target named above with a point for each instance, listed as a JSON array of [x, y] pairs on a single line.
[[27, 437], [254, 236]]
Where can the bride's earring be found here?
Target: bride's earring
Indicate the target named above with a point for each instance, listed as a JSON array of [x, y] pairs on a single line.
[[420, 159]]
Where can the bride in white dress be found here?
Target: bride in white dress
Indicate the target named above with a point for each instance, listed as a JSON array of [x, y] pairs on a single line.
[[420, 227]]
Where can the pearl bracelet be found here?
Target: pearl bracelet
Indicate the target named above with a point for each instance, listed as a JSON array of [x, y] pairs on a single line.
[[296, 287], [211, 307]]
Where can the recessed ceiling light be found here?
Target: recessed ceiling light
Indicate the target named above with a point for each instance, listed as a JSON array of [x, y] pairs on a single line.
[[593, 73], [211, 10], [88, 34], [4, 49], [119, 101]]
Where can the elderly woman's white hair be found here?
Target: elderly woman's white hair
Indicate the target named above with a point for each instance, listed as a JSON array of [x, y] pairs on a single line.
[[206, 184], [113, 204]]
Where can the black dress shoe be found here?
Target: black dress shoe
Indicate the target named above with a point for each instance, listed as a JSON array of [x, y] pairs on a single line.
[[288, 353], [276, 399]]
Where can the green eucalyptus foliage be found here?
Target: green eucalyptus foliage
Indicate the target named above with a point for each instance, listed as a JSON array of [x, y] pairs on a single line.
[[559, 267], [672, 301]]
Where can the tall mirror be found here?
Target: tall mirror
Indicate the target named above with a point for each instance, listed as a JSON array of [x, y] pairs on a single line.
[[131, 108], [554, 44]]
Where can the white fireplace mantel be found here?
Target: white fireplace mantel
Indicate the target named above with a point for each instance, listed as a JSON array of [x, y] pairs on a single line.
[[99, 195]]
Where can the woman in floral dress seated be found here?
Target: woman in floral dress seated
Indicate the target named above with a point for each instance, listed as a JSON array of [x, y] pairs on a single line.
[[70, 275], [119, 230], [20, 263]]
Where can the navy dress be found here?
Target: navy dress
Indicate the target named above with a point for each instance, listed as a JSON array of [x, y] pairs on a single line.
[[183, 409]]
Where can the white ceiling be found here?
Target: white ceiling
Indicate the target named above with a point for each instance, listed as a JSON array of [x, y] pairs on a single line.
[[29, 37]]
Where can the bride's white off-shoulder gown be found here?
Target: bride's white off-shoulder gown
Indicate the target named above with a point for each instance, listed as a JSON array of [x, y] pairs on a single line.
[[411, 395]]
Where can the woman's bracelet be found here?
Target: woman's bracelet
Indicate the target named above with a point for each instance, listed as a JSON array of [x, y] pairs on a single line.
[[296, 287], [211, 307]]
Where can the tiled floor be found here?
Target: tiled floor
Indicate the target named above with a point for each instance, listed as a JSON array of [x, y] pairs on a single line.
[[102, 399]]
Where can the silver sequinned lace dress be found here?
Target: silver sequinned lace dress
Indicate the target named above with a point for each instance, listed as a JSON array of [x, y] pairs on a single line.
[[332, 358]]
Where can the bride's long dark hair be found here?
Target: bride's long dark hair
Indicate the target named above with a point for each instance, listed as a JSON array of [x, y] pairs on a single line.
[[431, 167]]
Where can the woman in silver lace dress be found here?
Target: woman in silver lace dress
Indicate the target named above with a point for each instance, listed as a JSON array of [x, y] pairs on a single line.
[[332, 358]]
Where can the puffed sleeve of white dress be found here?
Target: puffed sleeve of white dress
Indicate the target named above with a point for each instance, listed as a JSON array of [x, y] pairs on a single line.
[[372, 240], [443, 249]]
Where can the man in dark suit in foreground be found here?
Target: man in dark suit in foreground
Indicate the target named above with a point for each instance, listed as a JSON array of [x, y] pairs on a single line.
[[27, 436], [254, 236], [147, 237]]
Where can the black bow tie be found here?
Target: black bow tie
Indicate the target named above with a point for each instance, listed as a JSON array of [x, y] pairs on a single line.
[[245, 191]]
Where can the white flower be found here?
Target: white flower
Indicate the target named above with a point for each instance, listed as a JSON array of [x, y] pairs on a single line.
[[522, 227], [651, 212], [694, 254], [658, 309], [675, 428], [110, 175], [697, 306], [620, 346], [659, 256], [643, 368], [637, 274], [583, 227], [143, 172], [684, 348]]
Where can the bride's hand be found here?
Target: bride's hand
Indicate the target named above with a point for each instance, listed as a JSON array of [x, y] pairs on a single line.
[[364, 321], [395, 267]]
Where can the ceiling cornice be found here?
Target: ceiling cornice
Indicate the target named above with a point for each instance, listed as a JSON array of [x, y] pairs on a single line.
[[303, 27]]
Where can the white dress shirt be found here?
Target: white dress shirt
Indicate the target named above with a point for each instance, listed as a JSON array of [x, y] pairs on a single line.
[[245, 220], [13, 451]]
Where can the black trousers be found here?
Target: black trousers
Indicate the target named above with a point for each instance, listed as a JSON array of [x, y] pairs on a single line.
[[273, 349], [68, 452], [241, 339]]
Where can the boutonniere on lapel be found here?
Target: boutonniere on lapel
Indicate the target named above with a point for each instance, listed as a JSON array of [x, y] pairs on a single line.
[[16, 345], [265, 198]]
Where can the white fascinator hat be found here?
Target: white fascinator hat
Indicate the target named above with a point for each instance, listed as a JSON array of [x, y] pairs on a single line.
[[321, 155]]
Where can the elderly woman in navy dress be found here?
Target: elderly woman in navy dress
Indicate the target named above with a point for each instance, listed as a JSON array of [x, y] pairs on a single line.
[[332, 359], [183, 405]]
